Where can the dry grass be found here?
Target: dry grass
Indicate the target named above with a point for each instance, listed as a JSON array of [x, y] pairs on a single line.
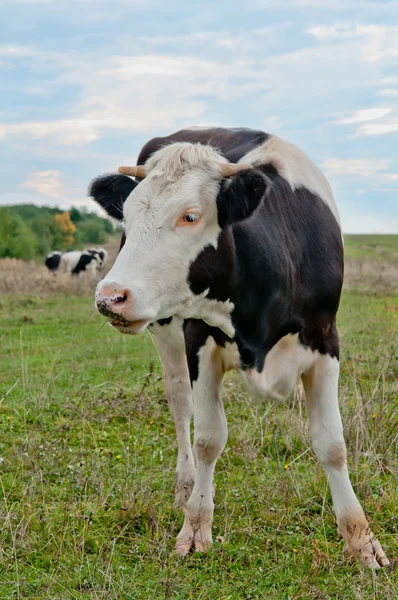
[[378, 277], [29, 277], [21, 277]]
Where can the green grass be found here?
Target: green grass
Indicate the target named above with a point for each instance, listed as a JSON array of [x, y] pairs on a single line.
[[88, 455], [371, 247]]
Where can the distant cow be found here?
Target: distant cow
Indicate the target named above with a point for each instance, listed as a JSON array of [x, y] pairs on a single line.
[[100, 253], [70, 259], [76, 261], [232, 257], [87, 262], [53, 260]]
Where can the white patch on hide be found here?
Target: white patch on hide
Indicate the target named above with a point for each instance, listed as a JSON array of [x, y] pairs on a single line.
[[171, 333], [283, 367], [295, 166], [216, 313]]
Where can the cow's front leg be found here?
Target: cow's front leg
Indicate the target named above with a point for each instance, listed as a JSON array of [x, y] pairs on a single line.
[[179, 398], [210, 428], [321, 388]]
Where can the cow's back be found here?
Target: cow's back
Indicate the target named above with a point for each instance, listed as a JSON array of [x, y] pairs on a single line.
[[232, 143]]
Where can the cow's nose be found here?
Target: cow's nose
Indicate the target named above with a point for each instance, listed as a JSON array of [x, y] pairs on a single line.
[[111, 299]]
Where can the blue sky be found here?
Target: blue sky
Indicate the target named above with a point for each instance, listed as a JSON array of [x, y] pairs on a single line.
[[83, 85]]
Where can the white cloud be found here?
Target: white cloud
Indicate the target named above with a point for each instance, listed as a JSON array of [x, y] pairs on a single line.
[[388, 93], [65, 203], [14, 50], [334, 5], [10, 53], [358, 167], [390, 80], [139, 94], [383, 127], [389, 125], [344, 31], [45, 183], [364, 115], [66, 131], [376, 41], [378, 128]]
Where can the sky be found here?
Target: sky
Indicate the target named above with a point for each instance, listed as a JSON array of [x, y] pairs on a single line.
[[85, 83]]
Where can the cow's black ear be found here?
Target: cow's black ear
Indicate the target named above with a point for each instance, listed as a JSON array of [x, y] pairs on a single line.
[[240, 195], [111, 191]]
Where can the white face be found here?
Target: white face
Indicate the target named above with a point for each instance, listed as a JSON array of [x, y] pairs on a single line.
[[168, 222]]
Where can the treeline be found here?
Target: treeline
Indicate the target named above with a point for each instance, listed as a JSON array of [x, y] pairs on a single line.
[[28, 231]]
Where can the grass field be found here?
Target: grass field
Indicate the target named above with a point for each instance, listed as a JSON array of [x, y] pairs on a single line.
[[87, 457], [372, 247]]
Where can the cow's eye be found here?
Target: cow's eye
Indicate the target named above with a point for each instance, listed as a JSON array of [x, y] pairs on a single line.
[[190, 218]]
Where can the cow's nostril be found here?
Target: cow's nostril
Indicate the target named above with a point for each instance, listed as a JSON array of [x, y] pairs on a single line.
[[112, 299], [120, 299]]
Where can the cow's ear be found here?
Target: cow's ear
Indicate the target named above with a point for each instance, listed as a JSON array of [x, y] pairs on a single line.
[[111, 191], [240, 195]]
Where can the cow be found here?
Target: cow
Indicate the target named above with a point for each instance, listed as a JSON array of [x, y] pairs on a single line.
[[69, 260], [232, 257], [91, 260], [76, 262], [87, 263], [100, 253], [53, 260]]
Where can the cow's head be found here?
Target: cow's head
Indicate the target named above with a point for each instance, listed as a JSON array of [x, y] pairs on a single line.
[[186, 195]]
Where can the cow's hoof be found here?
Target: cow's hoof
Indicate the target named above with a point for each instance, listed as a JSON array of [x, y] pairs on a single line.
[[369, 549], [202, 545], [191, 537], [183, 545], [359, 541], [184, 541], [373, 554]]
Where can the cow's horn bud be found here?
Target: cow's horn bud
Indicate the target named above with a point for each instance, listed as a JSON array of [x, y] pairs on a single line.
[[229, 169], [133, 171]]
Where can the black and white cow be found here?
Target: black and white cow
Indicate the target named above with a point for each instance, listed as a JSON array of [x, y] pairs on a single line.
[[87, 263], [53, 260], [76, 262], [232, 257], [100, 253]]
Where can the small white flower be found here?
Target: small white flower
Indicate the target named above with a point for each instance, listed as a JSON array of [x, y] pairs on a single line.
[[1, 460]]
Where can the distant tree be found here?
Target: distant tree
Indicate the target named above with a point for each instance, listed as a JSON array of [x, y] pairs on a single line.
[[75, 215], [68, 228], [16, 238], [30, 231]]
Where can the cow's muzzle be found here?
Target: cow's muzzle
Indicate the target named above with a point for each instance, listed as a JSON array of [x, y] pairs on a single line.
[[116, 303]]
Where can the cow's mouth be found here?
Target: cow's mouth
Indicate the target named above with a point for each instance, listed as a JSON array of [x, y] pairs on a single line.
[[129, 326]]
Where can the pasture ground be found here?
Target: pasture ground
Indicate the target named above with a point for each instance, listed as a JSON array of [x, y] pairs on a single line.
[[87, 457]]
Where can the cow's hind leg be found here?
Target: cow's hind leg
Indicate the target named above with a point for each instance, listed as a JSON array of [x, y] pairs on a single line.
[[179, 398], [321, 388]]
